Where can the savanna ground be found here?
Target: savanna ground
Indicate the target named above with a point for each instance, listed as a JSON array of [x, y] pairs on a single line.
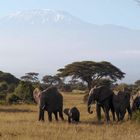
[[19, 122]]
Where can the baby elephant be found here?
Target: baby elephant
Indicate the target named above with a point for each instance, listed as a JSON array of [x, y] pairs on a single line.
[[73, 114]]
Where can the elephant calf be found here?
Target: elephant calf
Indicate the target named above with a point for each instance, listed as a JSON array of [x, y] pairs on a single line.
[[73, 114]]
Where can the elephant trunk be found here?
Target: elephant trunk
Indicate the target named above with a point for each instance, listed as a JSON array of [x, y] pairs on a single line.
[[90, 101], [89, 111]]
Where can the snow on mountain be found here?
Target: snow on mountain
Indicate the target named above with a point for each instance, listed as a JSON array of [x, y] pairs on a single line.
[[41, 16]]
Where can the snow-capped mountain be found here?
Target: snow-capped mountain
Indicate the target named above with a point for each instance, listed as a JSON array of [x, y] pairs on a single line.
[[45, 40], [41, 16]]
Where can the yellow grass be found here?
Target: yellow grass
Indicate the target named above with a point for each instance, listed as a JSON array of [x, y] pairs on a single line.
[[19, 122]]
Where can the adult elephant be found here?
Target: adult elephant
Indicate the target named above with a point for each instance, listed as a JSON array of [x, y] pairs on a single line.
[[121, 103], [103, 97], [136, 104], [50, 100]]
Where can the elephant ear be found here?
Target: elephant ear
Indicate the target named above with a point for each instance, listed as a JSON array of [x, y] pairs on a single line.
[[37, 95], [104, 93]]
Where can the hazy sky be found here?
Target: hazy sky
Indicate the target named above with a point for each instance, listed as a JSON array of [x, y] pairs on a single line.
[[117, 45], [119, 12]]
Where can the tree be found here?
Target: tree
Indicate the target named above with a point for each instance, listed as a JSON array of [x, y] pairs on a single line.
[[90, 71], [31, 76], [8, 83], [51, 80], [8, 78], [25, 91]]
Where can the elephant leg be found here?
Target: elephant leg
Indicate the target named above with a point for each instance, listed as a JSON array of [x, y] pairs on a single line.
[[50, 116], [122, 114], [69, 119], [129, 112], [98, 111], [113, 113], [106, 111], [56, 116], [118, 115], [41, 115], [61, 115]]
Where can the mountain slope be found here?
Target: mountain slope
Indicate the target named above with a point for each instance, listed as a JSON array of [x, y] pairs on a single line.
[[43, 16], [44, 40]]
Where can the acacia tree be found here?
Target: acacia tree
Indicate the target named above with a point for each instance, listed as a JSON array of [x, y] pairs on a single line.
[[90, 71], [31, 76], [51, 80]]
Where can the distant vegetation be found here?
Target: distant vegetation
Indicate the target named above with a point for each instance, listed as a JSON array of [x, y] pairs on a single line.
[[77, 77]]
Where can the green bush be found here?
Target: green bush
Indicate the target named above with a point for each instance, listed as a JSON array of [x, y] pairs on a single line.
[[12, 98], [3, 86], [2, 96], [136, 116], [2, 102], [25, 91]]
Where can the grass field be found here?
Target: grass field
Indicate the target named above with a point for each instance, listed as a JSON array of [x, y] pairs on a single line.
[[19, 122]]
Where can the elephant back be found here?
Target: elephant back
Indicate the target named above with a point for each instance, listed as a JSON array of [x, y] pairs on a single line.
[[53, 99], [104, 93], [120, 96]]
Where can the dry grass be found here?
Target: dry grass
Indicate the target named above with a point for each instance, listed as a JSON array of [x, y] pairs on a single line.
[[19, 122]]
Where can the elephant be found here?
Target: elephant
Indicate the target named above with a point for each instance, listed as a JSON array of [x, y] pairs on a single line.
[[73, 114], [136, 104], [50, 100], [121, 103], [102, 95]]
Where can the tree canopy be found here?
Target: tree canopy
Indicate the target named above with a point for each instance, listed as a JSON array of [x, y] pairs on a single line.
[[90, 71], [51, 80], [31, 76], [8, 78]]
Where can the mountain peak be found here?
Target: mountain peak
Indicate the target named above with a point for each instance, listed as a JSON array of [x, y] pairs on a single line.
[[42, 16]]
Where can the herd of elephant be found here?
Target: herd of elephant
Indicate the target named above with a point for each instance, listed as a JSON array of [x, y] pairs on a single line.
[[51, 100]]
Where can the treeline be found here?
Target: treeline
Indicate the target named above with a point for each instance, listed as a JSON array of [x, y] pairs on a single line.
[[75, 77]]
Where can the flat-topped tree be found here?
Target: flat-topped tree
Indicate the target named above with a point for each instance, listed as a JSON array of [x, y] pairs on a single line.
[[51, 80], [31, 76], [90, 71]]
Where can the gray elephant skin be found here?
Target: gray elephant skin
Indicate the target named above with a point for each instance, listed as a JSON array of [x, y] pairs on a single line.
[[121, 103], [136, 104], [102, 95], [73, 114], [50, 100]]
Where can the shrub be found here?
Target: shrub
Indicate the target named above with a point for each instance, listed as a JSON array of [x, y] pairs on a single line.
[[2, 96], [12, 98], [136, 116], [25, 91], [3, 86]]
